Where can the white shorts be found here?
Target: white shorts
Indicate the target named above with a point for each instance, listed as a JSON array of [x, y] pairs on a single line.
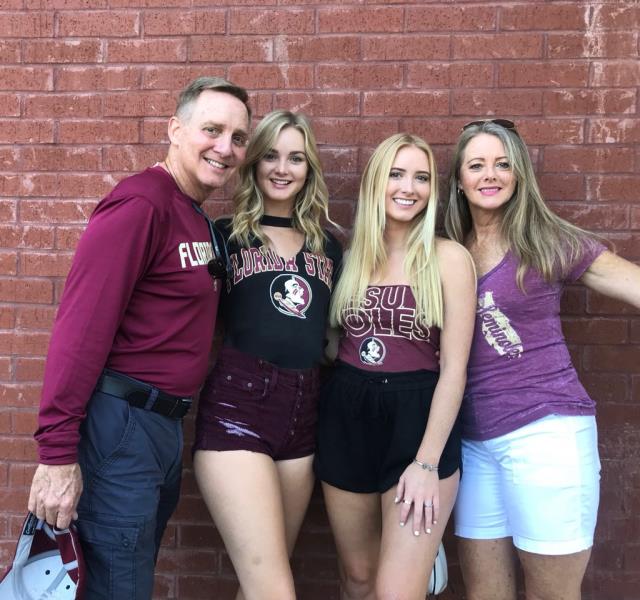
[[539, 485]]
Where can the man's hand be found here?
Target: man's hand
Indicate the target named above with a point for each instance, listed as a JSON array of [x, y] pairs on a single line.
[[55, 492]]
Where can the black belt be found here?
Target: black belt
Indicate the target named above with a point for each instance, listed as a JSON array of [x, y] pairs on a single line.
[[142, 395]]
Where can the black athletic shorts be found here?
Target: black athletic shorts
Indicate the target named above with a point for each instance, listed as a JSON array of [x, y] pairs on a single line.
[[371, 425]]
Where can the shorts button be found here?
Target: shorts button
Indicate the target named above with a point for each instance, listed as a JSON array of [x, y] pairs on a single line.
[[228, 377], [249, 385], [292, 432]]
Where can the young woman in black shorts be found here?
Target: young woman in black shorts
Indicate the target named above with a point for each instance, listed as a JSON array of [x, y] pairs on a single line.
[[255, 431], [388, 445]]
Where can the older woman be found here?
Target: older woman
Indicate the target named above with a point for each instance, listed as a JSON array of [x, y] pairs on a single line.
[[530, 488]]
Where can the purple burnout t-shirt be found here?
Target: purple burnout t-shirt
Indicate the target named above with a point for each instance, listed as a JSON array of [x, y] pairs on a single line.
[[384, 335], [519, 368]]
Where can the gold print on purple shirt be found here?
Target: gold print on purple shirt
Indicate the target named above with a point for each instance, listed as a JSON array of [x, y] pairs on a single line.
[[497, 329], [290, 295]]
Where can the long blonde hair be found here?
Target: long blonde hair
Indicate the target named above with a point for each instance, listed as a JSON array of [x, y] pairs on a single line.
[[538, 237], [311, 203], [367, 253]]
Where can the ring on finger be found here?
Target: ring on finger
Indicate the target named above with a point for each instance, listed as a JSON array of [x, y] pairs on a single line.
[[428, 505], [407, 501]]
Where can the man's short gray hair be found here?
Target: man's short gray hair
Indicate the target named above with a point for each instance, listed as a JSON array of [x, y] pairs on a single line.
[[216, 84]]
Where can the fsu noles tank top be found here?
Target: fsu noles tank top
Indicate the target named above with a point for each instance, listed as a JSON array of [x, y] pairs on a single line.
[[385, 336]]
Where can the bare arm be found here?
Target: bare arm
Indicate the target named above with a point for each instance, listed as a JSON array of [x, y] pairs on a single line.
[[615, 277], [459, 295], [331, 348]]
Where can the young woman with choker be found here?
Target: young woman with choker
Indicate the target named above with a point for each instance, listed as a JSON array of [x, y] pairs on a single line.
[[388, 445], [255, 432]]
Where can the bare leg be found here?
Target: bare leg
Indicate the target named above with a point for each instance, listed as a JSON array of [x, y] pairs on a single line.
[[554, 577], [406, 559], [356, 526], [296, 485], [488, 568], [243, 493]]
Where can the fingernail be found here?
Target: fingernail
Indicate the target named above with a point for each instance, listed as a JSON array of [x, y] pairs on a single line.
[[428, 530], [396, 499], [401, 523], [416, 533]]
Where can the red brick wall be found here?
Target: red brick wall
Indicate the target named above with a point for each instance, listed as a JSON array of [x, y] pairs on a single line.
[[85, 90]]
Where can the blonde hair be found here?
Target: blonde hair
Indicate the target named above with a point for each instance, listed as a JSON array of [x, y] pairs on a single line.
[[367, 254], [311, 203], [539, 238]]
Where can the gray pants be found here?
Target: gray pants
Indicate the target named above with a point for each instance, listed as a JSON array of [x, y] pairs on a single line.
[[131, 462]]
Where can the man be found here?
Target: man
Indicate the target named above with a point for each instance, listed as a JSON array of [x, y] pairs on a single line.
[[130, 347]]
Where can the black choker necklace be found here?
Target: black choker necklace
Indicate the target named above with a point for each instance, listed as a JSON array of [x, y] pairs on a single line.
[[272, 221]]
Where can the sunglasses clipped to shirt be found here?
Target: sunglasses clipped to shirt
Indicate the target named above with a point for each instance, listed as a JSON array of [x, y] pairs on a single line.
[[510, 125], [219, 266]]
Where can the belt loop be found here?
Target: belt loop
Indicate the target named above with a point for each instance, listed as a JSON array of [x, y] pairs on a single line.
[[269, 375], [151, 400]]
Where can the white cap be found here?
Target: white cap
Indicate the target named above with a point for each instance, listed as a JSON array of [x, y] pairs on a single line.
[[48, 564]]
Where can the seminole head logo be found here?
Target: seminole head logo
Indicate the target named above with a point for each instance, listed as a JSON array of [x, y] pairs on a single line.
[[291, 295], [372, 351]]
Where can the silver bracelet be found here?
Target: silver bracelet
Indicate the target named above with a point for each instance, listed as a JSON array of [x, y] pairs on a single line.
[[425, 466]]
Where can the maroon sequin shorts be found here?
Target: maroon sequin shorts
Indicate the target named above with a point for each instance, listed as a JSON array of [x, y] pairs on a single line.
[[250, 404]]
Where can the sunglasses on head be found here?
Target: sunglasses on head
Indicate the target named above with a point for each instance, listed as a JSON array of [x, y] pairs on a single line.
[[510, 125]]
